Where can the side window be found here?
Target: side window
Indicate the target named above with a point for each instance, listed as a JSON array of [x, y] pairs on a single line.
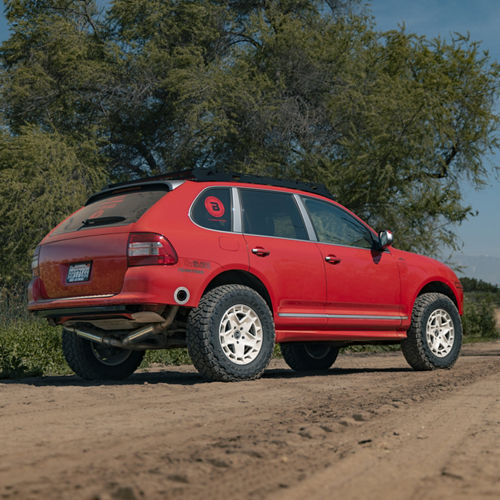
[[271, 213], [212, 209], [334, 225]]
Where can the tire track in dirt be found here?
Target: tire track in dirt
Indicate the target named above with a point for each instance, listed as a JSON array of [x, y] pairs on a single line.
[[170, 434]]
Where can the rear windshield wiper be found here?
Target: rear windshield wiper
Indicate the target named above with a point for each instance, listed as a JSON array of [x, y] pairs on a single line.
[[102, 221]]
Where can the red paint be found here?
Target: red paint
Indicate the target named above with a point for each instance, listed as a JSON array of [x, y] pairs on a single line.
[[295, 274], [214, 206]]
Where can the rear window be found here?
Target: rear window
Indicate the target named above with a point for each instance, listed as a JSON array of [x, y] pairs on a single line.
[[119, 209]]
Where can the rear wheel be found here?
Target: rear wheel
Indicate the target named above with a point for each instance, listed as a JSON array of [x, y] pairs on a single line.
[[93, 361], [309, 356], [435, 335], [230, 335]]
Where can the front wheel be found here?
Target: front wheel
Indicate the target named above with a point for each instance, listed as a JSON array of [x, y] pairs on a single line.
[[230, 335], [93, 361], [435, 335], [309, 356]]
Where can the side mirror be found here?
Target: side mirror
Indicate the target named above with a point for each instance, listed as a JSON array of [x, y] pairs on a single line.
[[385, 239]]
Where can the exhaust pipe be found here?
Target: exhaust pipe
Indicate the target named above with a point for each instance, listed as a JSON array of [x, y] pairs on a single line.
[[132, 337], [96, 338], [138, 334]]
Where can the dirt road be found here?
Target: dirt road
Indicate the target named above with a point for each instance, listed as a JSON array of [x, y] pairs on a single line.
[[370, 428]]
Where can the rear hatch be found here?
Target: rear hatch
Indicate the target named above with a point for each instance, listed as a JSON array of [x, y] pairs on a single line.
[[87, 253]]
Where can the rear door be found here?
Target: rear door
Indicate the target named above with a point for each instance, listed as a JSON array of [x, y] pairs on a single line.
[[362, 284], [282, 256]]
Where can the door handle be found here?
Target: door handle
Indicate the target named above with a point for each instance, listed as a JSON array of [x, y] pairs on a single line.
[[260, 252], [332, 259]]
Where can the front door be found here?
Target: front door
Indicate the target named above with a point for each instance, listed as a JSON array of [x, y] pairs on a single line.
[[363, 290]]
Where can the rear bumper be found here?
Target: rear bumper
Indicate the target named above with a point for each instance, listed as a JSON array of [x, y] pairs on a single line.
[[142, 286], [84, 311], [115, 302]]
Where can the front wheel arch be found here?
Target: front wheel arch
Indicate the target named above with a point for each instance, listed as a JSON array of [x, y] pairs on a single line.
[[439, 287]]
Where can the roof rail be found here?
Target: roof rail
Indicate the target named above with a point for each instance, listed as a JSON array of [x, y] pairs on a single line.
[[218, 175]]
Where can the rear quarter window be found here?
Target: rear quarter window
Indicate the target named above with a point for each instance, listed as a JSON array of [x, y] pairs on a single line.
[[119, 209], [212, 209]]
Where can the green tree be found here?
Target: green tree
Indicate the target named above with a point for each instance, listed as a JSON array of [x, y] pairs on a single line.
[[43, 178], [392, 123]]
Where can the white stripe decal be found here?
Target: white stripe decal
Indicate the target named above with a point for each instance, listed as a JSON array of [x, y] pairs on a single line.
[[340, 316]]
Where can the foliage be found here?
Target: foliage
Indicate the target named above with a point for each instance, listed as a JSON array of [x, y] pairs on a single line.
[[30, 347], [481, 302], [476, 285], [392, 122], [479, 320], [174, 357], [43, 178]]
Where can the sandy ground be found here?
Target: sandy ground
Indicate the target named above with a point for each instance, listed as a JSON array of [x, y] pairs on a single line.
[[369, 428]]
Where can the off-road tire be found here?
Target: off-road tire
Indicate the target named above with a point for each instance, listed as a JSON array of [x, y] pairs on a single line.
[[416, 347], [83, 360], [309, 356], [203, 339]]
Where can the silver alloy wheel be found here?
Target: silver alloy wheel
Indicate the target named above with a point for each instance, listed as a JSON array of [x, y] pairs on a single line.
[[109, 355], [240, 334], [440, 333]]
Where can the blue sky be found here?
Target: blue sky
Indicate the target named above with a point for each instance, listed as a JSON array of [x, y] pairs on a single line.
[[481, 18]]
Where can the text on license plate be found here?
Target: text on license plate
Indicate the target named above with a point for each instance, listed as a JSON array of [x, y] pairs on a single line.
[[78, 272]]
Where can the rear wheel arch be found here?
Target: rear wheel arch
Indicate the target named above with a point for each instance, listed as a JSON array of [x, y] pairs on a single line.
[[239, 277]]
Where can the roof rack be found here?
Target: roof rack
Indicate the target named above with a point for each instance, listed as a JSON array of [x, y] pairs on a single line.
[[217, 175]]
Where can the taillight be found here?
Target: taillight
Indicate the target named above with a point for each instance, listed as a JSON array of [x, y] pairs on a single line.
[[35, 261], [146, 249]]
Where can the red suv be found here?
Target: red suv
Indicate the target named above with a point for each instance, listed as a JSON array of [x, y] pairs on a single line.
[[229, 264]]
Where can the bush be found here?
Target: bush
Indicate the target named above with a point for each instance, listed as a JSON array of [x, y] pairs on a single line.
[[479, 319], [30, 348], [166, 357]]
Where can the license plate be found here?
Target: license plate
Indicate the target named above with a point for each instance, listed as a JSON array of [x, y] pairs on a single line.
[[78, 272]]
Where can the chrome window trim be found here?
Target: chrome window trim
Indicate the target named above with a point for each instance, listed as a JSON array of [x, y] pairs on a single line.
[[305, 217], [341, 316], [237, 222], [277, 237], [349, 246], [174, 184]]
